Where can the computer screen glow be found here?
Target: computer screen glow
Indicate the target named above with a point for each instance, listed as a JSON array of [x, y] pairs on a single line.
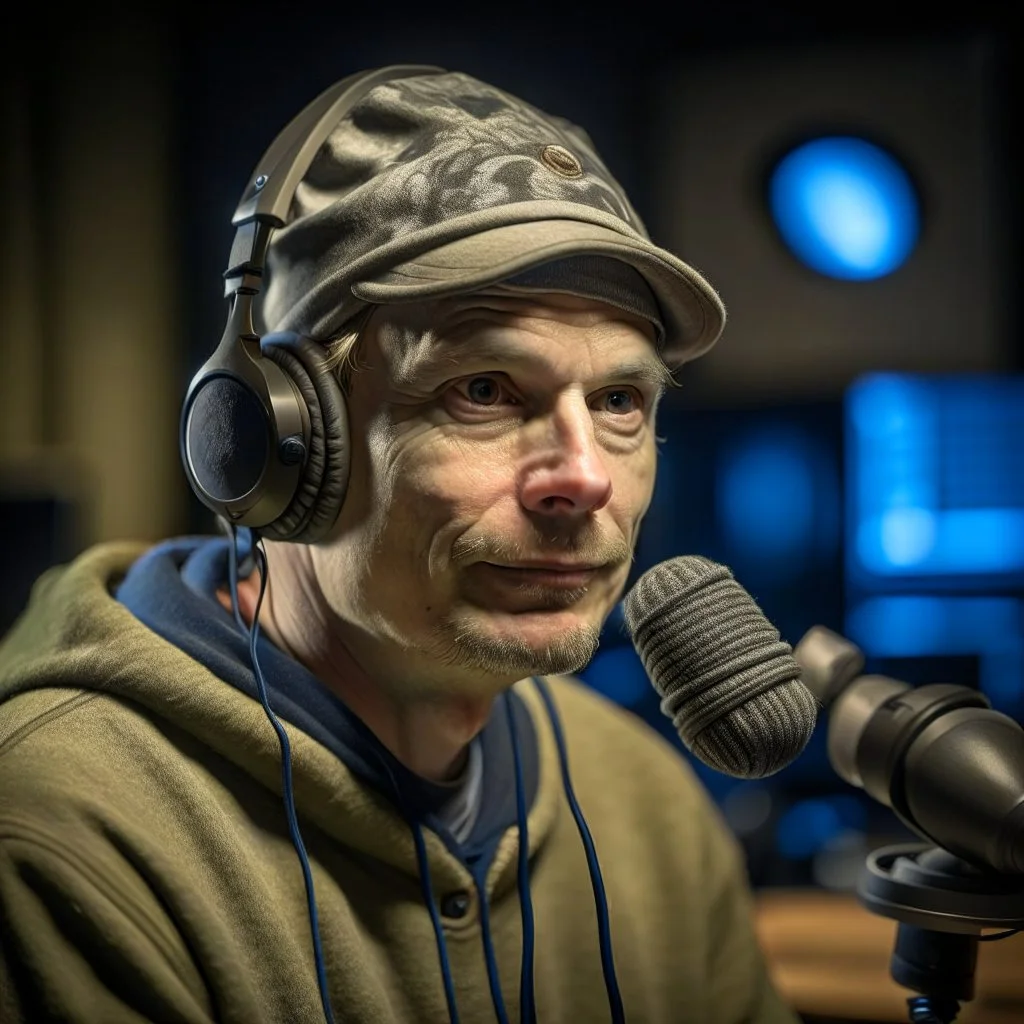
[[935, 483]]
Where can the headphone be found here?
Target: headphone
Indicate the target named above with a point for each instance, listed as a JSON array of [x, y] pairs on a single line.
[[264, 434]]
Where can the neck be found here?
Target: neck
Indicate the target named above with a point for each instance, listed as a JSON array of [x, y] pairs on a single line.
[[429, 735]]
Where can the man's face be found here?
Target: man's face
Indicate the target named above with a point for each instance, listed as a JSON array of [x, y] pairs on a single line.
[[503, 456]]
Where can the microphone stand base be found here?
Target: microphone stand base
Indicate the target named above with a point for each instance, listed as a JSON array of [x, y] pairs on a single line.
[[942, 904]]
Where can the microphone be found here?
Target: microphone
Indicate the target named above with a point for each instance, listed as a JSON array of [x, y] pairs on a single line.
[[731, 687], [950, 767]]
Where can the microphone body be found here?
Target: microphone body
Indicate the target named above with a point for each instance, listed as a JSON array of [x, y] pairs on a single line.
[[950, 767]]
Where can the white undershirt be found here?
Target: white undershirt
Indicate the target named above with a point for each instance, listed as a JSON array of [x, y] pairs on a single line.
[[460, 812]]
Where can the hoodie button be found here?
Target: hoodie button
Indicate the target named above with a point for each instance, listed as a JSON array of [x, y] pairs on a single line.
[[456, 904]]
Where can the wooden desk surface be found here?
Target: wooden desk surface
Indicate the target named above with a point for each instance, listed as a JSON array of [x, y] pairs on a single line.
[[829, 957]]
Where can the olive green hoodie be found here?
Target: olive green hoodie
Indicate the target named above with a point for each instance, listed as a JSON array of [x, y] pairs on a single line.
[[147, 873]]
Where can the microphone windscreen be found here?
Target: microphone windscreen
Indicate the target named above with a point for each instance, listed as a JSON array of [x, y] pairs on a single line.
[[730, 685]]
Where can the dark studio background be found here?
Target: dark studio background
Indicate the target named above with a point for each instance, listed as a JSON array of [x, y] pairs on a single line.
[[129, 139]]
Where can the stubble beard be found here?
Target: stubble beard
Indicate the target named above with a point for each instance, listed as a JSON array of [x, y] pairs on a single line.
[[466, 643]]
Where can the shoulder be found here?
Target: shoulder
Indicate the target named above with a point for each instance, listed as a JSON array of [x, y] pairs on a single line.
[[65, 748], [25, 713]]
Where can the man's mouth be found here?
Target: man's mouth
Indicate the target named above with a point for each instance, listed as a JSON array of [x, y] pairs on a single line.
[[563, 576]]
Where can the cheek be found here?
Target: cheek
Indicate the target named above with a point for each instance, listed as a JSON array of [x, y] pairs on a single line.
[[452, 477], [633, 484], [379, 478]]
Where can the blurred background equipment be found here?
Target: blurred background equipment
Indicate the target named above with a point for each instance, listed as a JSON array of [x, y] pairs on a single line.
[[935, 527]]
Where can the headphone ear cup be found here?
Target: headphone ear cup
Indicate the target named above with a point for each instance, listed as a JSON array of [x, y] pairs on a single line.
[[225, 443], [321, 490]]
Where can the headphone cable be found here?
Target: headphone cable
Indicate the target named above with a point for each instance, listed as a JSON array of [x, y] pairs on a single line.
[[286, 758]]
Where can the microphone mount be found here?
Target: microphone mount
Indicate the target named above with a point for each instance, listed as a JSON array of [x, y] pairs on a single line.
[[888, 739]]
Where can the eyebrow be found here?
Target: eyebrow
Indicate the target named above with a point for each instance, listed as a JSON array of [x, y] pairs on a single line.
[[449, 352]]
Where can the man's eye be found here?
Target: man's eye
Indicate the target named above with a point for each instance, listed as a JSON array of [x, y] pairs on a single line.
[[482, 390], [622, 400]]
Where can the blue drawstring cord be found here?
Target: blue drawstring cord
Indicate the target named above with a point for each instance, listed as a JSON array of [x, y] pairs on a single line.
[[603, 926], [527, 1009], [435, 917], [492, 964], [286, 764], [428, 895]]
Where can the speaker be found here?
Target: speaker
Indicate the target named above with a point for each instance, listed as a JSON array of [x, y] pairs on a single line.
[[722, 120]]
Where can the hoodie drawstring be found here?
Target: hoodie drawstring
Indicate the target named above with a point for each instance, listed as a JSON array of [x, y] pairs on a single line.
[[527, 1008], [603, 927], [435, 917]]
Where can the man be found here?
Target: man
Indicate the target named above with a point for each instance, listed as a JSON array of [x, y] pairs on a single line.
[[474, 332]]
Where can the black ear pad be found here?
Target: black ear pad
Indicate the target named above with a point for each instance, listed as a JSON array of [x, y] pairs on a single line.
[[226, 438], [321, 490]]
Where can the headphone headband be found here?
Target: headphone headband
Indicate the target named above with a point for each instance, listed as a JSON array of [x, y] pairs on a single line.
[[271, 188]]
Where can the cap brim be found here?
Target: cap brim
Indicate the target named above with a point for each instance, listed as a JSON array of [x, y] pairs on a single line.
[[693, 313]]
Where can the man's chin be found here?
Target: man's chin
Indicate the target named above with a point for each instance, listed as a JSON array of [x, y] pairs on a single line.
[[528, 643]]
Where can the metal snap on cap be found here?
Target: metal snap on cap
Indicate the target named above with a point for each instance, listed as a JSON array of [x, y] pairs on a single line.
[[561, 161]]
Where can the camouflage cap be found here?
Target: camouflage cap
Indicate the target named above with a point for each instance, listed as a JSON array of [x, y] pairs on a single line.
[[440, 184]]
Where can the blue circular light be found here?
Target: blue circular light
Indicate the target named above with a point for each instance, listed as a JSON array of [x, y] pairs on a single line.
[[845, 207]]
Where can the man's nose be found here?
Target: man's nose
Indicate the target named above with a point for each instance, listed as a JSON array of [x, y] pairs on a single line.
[[564, 471]]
